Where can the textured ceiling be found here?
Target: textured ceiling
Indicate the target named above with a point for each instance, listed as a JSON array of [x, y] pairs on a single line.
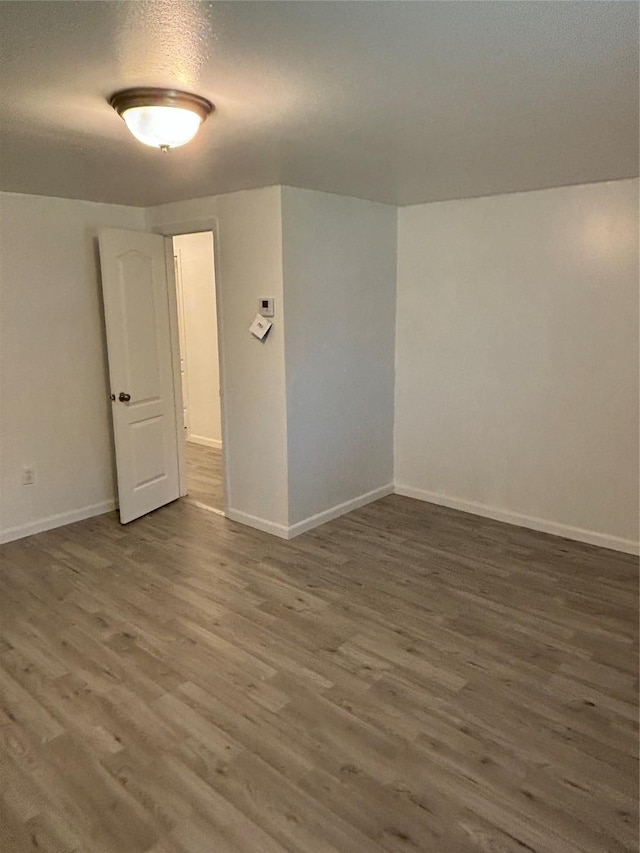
[[393, 101]]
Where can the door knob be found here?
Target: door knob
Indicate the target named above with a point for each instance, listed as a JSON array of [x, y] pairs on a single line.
[[124, 398]]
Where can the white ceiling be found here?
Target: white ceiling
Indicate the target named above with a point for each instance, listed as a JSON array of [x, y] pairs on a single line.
[[394, 101]]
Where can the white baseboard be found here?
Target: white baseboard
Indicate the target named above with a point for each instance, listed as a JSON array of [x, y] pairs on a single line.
[[340, 509], [591, 537], [312, 521], [51, 521], [208, 442], [280, 530]]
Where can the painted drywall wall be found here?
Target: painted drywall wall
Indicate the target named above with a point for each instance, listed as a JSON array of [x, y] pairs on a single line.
[[517, 358], [339, 288], [248, 234], [54, 409], [199, 341], [517, 355]]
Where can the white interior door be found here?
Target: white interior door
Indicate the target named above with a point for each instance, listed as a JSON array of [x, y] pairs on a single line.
[[137, 287]]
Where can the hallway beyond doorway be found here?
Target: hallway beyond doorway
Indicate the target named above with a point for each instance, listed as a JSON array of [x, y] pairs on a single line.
[[204, 476]]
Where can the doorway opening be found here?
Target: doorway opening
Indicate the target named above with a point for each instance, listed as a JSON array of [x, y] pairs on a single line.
[[193, 256]]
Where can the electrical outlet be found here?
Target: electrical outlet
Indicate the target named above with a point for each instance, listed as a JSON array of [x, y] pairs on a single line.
[[28, 476]]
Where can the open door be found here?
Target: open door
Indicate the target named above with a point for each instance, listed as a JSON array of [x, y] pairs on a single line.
[[136, 292]]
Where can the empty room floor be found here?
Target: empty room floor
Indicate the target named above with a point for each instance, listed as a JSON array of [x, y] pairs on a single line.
[[204, 475], [403, 678]]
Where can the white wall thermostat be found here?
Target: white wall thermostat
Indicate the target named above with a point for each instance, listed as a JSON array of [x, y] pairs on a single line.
[[266, 306]]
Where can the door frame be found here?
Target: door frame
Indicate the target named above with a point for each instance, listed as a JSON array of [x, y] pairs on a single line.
[[175, 229], [184, 367]]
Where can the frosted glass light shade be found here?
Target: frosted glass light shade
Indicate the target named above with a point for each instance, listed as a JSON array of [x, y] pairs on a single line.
[[161, 118], [162, 127]]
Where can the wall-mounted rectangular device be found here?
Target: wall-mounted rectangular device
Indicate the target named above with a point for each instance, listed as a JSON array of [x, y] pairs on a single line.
[[260, 327], [266, 306]]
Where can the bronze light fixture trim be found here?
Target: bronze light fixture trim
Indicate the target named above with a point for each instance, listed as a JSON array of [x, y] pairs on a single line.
[[161, 118]]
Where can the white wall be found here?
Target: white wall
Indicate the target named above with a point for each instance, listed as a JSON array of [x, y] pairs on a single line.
[[516, 355], [54, 410], [197, 307], [248, 229], [517, 358], [339, 289], [322, 436]]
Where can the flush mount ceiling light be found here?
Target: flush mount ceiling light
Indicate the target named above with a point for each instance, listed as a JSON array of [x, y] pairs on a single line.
[[161, 118]]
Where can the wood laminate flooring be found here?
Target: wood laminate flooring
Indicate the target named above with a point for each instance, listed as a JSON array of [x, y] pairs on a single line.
[[204, 475], [404, 678]]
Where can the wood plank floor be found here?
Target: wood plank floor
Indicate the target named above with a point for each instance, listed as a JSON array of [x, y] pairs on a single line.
[[404, 678], [204, 475]]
